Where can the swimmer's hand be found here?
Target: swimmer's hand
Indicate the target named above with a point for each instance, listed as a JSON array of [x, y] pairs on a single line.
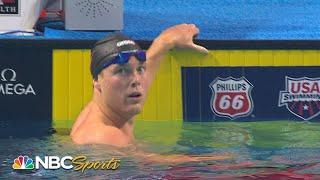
[[178, 36], [181, 36]]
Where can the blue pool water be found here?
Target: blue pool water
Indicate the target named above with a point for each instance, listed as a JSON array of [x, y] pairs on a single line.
[[254, 150]]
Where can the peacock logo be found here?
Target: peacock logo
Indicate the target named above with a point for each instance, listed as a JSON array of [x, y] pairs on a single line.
[[23, 162]]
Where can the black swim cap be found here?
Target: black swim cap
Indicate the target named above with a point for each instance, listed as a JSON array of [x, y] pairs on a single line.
[[106, 49]]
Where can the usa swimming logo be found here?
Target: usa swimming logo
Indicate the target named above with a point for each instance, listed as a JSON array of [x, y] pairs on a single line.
[[231, 97], [23, 162], [301, 97]]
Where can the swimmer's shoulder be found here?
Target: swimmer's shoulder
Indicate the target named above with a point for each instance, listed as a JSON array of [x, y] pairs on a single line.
[[82, 117], [103, 135]]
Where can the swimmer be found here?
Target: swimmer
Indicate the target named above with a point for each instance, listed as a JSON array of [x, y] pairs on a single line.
[[122, 75]]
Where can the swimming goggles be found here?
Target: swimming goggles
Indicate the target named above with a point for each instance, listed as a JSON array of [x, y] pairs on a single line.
[[124, 56]]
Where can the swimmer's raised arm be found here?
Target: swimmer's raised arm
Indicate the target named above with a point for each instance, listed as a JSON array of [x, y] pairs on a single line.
[[179, 36]]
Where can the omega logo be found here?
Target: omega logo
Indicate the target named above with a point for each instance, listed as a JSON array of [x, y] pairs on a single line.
[[8, 86], [4, 72]]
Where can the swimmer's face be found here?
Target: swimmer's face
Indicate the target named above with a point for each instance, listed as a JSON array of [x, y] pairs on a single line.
[[123, 86]]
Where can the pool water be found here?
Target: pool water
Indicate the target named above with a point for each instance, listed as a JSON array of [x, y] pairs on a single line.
[[254, 150]]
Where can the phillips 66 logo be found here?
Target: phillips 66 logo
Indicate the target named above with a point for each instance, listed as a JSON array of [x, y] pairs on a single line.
[[231, 97]]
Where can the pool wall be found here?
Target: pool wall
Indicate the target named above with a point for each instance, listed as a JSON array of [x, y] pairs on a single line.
[[182, 89], [48, 82]]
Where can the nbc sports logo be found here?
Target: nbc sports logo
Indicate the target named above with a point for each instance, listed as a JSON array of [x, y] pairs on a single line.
[[23, 162], [49, 162], [79, 163]]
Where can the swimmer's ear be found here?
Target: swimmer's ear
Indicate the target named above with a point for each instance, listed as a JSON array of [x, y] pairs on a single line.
[[96, 85]]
